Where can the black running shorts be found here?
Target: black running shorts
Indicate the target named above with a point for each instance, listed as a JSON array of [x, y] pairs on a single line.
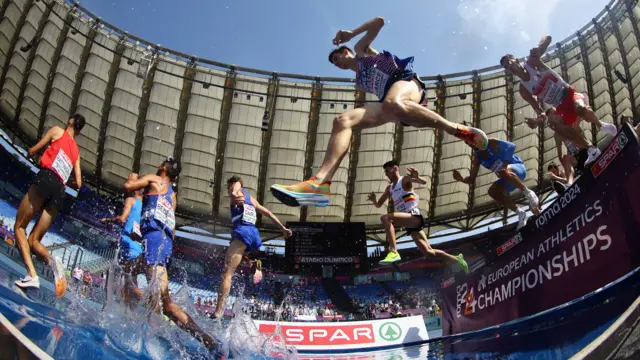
[[416, 213], [50, 189]]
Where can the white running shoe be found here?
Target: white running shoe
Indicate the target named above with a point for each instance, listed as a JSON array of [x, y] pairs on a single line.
[[59, 276], [609, 129], [28, 282], [533, 200], [594, 154], [522, 219]]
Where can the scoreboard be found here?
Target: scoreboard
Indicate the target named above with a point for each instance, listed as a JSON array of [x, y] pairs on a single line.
[[326, 243]]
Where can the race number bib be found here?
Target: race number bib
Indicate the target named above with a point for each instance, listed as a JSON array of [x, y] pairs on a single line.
[[572, 148], [497, 166], [164, 213], [62, 166], [249, 214], [553, 90], [136, 229]]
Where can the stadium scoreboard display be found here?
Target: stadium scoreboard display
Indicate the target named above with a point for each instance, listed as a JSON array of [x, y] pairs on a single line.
[[326, 243]]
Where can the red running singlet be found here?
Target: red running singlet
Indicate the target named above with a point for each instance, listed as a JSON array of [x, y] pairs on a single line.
[[61, 156]]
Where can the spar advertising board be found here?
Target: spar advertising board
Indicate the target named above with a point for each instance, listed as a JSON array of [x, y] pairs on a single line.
[[352, 335], [584, 240]]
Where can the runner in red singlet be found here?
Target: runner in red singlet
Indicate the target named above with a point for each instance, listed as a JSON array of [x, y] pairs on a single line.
[[540, 84], [45, 198]]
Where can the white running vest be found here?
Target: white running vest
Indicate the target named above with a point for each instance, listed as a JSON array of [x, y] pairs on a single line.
[[547, 85], [403, 201]]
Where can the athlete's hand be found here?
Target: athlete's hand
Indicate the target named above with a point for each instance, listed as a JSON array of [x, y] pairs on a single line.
[[372, 197], [287, 232], [343, 36], [457, 176], [413, 172], [531, 122]]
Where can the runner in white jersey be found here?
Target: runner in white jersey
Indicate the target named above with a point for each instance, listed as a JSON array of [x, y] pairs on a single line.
[[407, 215], [540, 84]]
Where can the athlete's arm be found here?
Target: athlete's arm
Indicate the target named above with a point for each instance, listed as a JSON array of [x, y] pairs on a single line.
[[141, 183], [385, 195], [475, 167], [174, 200], [77, 172], [526, 95], [558, 178], [126, 210], [371, 29], [414, 177], [542, 47], [48, 137], [264, 211]]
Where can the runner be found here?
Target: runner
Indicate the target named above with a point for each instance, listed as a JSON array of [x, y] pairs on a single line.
[[401, 94], [158, 231], [537, 79], [407, 215], [45, 198], [501, 160], [130, 245], [560, 181], [244, 236]]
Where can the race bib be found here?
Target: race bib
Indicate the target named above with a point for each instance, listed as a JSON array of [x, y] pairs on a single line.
[[62, 166], [553, 90], [136, 229], [496, 167], [572, 148], [164, 213], [249, 214]]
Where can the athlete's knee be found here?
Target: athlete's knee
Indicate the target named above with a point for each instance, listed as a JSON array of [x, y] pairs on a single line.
[[504, 173], [342, 121], [384, 219], [495, 191], [582, 108]]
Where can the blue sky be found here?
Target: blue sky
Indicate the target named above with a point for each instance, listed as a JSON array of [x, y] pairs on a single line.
[[445, 36]]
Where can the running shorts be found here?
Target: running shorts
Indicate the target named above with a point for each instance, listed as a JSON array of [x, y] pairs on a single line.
[[416, 213], [567, 109], [248, 235], [157, 248], [50, 189], [518, 169]]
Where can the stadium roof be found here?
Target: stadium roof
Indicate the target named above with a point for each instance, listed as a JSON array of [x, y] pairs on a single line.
[[58, 58]]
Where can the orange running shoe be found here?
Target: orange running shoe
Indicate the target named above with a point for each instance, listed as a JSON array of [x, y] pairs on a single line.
[[59, 276], [472, 136], [306, 193]]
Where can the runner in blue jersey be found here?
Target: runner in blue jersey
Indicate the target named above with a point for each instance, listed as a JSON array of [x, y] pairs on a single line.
[[130, 246], [500, 159], [158, 232], [402, 100], [244, 234]]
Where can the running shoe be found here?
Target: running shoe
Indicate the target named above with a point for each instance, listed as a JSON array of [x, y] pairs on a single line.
[[28, 282], [59, 276], [472, 136], [390, 258], [559, 187], [463, 264], [609, 129], [534, 203], [306, 193], [522, 219], [594, 154]]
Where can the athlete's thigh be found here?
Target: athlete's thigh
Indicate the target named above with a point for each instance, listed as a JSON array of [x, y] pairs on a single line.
[[368, 116], [405, 220], [233, 256], [404, 90], [420, 236], [46, 217], [28, 208]]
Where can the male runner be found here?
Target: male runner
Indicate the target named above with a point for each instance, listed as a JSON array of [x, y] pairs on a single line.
[[158, 230], [245, 236], [130, 246], [537, 79], [407, 214], [401, 94], [45, 198], [500, 159], [560, 181]]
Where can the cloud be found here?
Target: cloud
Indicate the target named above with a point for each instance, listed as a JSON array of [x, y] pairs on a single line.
[[498, 21]]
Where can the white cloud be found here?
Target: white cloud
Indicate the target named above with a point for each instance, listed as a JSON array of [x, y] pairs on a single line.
[[499, 20]]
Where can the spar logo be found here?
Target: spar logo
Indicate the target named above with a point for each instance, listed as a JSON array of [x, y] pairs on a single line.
[[509, 244], [605, 159], [322, 335], [390, 331]]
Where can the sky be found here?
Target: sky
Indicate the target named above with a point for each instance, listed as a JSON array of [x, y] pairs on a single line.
[[445, 36]]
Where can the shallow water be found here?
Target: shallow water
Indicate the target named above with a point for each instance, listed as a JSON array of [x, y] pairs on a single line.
[[73, 328]]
